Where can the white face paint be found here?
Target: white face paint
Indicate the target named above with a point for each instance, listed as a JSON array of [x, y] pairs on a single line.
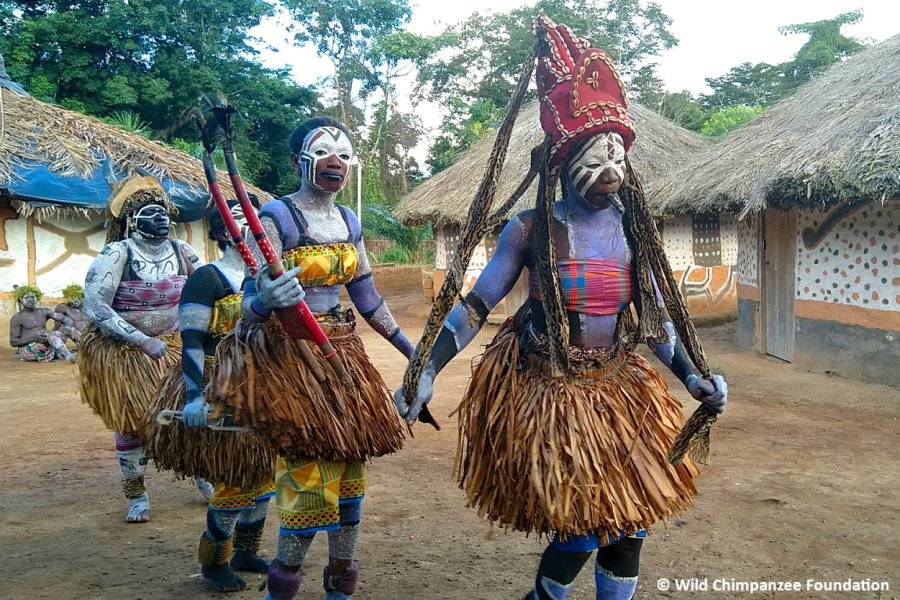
[[601, 152], [325, 158], [240, 219]]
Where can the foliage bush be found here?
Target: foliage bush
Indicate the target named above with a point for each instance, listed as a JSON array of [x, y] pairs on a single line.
[[20, 291], [720, 122], [73, 291], [396, 255]]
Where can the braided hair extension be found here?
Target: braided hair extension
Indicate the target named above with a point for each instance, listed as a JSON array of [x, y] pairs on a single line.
[[548, 274], [643, 236], [472, 233]]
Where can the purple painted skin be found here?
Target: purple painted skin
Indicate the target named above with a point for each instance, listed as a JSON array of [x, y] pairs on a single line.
[[584, 229]]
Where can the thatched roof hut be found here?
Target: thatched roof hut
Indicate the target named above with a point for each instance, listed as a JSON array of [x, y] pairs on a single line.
[[445, 198], [71, 150], [837, 137]]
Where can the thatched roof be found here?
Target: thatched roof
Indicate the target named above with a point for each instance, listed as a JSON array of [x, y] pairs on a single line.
[[74, 145], [836, 138], [445, 198]]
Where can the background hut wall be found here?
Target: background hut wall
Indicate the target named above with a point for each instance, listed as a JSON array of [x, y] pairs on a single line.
[[703, 252], [846, 308], [57, 251]]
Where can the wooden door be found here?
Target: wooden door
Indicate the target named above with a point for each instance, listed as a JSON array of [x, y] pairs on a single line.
[[778, 289]]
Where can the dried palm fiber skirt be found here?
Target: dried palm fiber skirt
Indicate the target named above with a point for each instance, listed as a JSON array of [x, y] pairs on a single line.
[[575, 455], [119, 381], [232, 458], [270, 386]]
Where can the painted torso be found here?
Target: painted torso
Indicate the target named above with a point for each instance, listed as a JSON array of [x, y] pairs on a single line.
[[134, 286], [319, 240], [595, 269]]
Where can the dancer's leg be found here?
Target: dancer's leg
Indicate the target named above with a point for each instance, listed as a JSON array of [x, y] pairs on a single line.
[[133, 463], [617, 569], [248, 536], [284, 572], [216, 546]]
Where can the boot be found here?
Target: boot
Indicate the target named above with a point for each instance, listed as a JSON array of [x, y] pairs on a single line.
[[214, 567], [247, 538], [613, 587], [283, 581], [339, 578]]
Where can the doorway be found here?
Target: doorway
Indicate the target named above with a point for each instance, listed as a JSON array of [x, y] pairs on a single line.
[[778, 283]]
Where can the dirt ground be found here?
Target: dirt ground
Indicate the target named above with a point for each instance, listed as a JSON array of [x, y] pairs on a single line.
[[804, 484]]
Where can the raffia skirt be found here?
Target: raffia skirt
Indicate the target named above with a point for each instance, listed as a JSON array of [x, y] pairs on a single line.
[[572, 456], [266, 379], [119, 381], [233, 458]]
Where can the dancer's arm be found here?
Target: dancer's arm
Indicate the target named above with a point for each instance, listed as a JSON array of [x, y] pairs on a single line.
[[264, 294], [194, 315], [466, 319], [369, 302], [672, 353]]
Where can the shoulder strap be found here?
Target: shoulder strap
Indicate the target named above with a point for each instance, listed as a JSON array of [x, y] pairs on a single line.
[[354, 228]]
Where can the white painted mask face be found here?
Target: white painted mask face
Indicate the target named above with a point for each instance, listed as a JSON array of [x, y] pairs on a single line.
[[240, 219], [325, 158], [152, 221], [598, 168]]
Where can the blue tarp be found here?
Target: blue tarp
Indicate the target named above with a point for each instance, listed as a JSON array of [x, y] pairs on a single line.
[[35, 183]]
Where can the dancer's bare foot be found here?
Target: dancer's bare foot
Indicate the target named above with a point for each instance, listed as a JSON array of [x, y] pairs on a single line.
[[138, 510]]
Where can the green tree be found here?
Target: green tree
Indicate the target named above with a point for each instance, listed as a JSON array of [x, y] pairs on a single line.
[[682, 108], [764, 84], [475, 70], [746, 84], [720, 122], [154, 59], [826, 45]]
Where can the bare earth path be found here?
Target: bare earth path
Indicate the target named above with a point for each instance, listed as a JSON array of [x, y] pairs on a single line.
[[804, 484]]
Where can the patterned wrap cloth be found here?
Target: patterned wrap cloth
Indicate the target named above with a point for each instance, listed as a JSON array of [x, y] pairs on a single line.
[[311, 494], [36, 352]]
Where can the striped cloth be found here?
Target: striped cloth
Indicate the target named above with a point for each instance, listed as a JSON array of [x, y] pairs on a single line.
[[590, 287]]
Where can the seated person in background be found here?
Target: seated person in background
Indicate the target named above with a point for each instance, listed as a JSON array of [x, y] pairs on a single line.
[[72, 307], [28, 332]]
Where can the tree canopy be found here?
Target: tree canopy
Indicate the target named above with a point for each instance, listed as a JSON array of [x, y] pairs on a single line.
[[154, 59]]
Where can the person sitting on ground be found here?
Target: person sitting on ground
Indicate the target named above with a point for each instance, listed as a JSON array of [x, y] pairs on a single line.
[[28, 331], [72, 307]]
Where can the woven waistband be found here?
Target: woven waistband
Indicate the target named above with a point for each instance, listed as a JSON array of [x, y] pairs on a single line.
[[337, 323]]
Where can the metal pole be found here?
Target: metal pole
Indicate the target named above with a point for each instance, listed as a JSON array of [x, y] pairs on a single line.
[[359, 190]]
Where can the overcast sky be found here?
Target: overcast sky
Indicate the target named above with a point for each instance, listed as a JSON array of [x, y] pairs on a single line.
[[713, 36]]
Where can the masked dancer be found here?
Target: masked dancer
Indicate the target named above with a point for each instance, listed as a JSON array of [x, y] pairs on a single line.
[[322, 429], [564, 428], [239, 462], [131, 295]]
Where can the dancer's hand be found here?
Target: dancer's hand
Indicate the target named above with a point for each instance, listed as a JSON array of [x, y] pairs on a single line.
[[410, 412], [195, 412], [713, 392], [153, 347], [282, 292]]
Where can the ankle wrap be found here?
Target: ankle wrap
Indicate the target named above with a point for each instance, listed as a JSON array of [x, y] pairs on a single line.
[[134, 488], [248, 537], [214, 554], [340, 575], [283, 581]]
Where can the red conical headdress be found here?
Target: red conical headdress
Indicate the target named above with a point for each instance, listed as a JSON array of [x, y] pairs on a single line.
[[580, 92]]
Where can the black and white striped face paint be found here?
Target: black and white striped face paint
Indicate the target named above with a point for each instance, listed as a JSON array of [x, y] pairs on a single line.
[[598, 168], [325, 158]]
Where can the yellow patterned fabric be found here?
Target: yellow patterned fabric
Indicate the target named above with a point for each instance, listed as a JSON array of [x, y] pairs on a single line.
[[225, 315], [227, 497], [322, 265], [309, 493]]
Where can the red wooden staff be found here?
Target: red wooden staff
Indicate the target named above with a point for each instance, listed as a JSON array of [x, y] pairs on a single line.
[[298, 321]]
